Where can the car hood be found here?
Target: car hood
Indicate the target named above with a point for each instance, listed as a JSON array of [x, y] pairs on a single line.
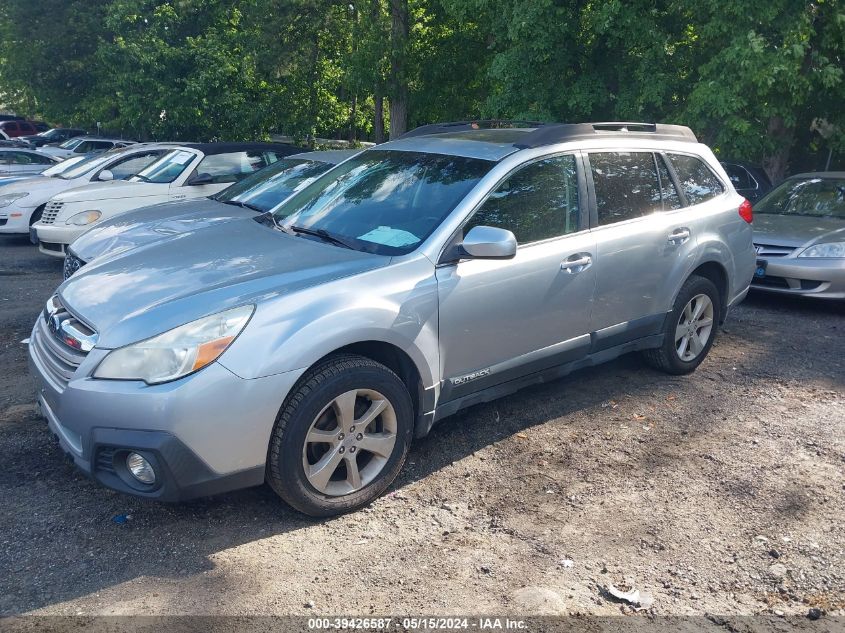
[[35, 185], [152, 224], [111, 190], [157, 287], [795, 230]]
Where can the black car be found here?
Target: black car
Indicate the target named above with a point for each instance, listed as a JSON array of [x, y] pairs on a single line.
[[748, 180], [54, 136]]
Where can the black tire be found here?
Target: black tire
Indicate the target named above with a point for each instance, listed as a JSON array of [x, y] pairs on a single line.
[[666, 357], [317, 388], [36, 215]]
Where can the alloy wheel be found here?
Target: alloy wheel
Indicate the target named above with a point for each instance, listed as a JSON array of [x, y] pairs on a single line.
[[694, 327], [349, 442]]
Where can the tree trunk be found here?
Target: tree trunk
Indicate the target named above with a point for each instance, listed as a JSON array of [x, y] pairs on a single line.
[[399, 31], [378, 117], [313, 97], [777, 163]]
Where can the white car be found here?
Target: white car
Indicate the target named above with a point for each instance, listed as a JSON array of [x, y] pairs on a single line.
[[194, 170], [23, 162], [22, 201], [84, 145]]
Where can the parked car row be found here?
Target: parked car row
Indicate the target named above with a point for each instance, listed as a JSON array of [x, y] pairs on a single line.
[[234, 314]]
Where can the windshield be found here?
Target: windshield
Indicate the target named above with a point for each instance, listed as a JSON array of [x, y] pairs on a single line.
[[50, 133], [71, 143], [266, 188], [58, 168], [166, 169], [382, 201], [814, 197], [85, 165]]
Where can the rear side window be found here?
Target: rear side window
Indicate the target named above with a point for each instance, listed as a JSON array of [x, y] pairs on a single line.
[[697, 180], [538, 202], [627, 185], [739, 176]]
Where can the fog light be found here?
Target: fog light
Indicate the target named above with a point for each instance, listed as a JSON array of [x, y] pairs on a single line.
[[140, 468]]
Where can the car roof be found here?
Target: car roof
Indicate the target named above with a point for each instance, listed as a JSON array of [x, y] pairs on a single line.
[[209, 149], [330, 157], [494, 140], [837, 175], [493, 145], [92, 137]]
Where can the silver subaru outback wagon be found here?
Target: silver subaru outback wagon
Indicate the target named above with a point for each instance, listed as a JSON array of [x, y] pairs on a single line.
[[307, 346]]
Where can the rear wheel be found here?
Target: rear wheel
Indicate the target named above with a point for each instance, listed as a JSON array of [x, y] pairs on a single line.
[[341, 437], [690, 328]]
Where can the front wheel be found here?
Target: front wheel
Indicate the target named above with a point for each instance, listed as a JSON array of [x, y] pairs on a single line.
[[341, 436], [690, 328]]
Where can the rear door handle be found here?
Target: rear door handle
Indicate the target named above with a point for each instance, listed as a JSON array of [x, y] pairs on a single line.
[[576, 263], [679, 236]]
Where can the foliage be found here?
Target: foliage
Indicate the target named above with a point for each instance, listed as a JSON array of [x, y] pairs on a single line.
[[757, 79]]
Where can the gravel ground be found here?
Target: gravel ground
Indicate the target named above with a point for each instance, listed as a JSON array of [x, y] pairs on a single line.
[[718, 493]]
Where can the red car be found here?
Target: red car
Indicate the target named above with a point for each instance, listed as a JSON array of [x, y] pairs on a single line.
[[14, 129]]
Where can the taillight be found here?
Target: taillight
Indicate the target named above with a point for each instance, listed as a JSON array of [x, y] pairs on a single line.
[[745, 211]]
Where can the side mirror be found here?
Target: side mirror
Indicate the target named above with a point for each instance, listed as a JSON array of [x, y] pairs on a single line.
[[489, 242], [106, 175], [201, 179]]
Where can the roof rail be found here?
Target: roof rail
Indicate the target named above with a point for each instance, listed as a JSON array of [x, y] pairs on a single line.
[[562, 132], [464, 126]]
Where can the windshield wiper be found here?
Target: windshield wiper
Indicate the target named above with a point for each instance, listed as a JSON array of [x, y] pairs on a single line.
[[243, 205], [143, 178], [324, 234]]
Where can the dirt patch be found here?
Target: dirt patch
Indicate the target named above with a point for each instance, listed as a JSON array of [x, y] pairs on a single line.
[[722, 492]]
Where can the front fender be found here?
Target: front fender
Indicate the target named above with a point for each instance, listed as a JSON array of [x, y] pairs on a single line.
[[396, 304]]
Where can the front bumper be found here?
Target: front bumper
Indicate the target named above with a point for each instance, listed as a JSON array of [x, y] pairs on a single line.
[[204, 434], [53, 239], [822, 278], [15, 219]]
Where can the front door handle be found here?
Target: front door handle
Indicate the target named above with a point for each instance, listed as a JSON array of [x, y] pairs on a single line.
[[679, 236], [576, 263]]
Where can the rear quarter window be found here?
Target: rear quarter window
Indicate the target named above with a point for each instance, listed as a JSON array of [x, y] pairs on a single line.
[[697, 180]]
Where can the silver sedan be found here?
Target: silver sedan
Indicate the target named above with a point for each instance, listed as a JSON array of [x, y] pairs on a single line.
[[799, 236]]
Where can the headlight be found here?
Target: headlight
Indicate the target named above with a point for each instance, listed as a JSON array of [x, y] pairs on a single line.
[[86, 217], [9, 198], [179, 352], [831, 249]]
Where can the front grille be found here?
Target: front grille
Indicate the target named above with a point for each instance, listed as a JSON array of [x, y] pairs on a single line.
[[770, 250], [72, 264], [51, 210], [58, 359]]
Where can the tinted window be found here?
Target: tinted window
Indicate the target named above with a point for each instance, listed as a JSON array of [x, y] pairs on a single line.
[[671, 199], [382, 201], [265, 189], [537, 202], [697, 181], [815, 197], [25, 158], [627, 185], [235, 165], [738, 176]]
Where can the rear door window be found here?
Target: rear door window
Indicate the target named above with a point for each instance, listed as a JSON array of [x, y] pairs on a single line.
[[627, 186], [697, 180]]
